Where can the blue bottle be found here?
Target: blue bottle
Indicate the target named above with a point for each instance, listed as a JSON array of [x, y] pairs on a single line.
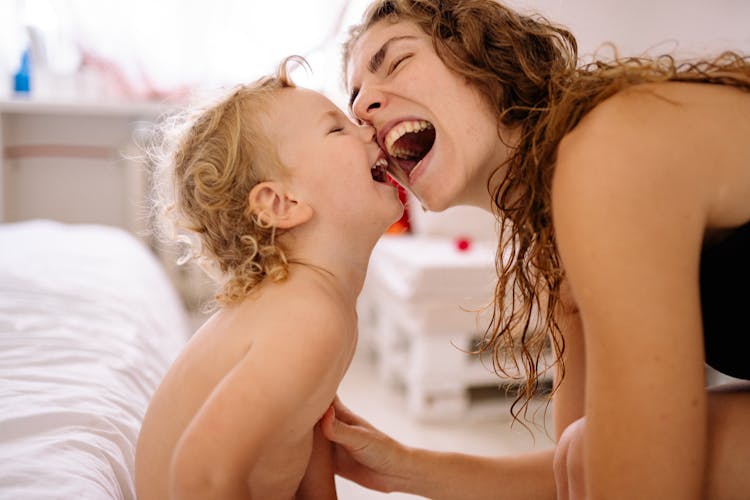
[[22, 78]]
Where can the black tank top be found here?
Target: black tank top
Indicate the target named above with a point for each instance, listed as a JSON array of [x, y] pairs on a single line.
[[725, 302]]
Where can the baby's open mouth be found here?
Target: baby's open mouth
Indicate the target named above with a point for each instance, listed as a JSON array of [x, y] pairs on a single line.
[[409, 142], [379, 170]]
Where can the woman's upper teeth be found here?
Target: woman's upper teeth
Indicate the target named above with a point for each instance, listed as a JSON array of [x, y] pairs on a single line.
[[399, 130]]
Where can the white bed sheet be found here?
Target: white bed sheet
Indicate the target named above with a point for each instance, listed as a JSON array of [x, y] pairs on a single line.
[[89, 323]]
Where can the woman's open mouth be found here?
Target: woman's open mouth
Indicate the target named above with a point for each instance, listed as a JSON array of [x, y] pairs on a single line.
[[408, 143]]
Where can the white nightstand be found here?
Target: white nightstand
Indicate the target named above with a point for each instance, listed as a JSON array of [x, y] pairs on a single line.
[[419, 315]]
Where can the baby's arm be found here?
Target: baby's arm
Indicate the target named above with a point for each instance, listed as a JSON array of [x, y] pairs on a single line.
[[284, 383], [318, 483]]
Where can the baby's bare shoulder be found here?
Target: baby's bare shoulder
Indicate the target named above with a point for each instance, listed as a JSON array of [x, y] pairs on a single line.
[[296, 320], [302, 302]]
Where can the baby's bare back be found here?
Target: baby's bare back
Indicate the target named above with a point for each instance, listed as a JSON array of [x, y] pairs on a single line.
[[279, 471], [278, 465]]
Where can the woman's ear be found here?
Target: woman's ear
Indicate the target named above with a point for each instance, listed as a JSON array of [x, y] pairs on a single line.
[[274, 205]]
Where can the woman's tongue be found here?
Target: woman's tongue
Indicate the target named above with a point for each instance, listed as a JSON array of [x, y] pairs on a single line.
[[404, 164], [410, 148]]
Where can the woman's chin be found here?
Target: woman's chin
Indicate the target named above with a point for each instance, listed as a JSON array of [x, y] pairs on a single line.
[[431, 194]]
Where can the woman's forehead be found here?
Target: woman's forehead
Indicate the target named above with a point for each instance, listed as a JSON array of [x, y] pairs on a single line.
[[372, 41]]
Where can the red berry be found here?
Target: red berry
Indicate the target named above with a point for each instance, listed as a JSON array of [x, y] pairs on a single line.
[[463, 244]]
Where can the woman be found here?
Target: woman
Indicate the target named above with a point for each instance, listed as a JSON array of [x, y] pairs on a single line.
[[623, 191]]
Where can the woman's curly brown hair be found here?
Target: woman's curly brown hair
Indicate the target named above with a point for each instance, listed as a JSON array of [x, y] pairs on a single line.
[[528, 70], [209, 158]]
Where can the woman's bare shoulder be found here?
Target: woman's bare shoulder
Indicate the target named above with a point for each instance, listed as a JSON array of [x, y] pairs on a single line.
[[687, 139], [671, 112], [625, 115]]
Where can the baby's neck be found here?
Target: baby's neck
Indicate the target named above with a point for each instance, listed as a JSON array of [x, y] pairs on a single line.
[[340, 260], [345, 286]]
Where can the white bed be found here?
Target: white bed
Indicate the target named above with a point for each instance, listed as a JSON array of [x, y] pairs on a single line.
[[89, 323]]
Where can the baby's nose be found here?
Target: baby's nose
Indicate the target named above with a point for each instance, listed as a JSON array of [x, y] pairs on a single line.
[[367, 133]]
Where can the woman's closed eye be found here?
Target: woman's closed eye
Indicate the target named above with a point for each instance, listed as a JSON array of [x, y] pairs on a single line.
[[397, 61]]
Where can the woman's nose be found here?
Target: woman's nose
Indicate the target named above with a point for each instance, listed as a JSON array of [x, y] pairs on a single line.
[[367, 103]]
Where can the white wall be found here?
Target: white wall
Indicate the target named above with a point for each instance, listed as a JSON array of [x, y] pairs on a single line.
[[685, 27]]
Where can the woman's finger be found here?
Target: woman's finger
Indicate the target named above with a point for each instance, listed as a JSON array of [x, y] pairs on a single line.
[[354, 437], [340, 432], [344, 414]]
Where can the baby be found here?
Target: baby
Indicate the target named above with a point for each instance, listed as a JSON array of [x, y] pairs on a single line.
[[284, 197]]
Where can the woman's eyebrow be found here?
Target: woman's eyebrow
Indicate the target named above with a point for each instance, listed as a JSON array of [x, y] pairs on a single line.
[[378, 57], [377, 60]]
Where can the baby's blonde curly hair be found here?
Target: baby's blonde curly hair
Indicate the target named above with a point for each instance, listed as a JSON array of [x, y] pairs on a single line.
[[208, 159]]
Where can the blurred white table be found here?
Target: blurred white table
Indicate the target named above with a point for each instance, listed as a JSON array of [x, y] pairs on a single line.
[[419, 315]]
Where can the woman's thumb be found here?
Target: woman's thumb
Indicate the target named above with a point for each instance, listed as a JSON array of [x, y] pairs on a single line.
[[330, 424], [339, 432]]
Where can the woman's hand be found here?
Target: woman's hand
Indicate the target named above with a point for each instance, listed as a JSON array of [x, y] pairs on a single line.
[[368, 457], [362, 453]]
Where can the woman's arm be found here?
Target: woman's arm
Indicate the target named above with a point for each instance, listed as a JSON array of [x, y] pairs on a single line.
[[630, 206], [370, 458], [569, 395]]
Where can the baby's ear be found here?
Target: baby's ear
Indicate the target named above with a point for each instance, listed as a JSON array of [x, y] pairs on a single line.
[[274, 205]]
